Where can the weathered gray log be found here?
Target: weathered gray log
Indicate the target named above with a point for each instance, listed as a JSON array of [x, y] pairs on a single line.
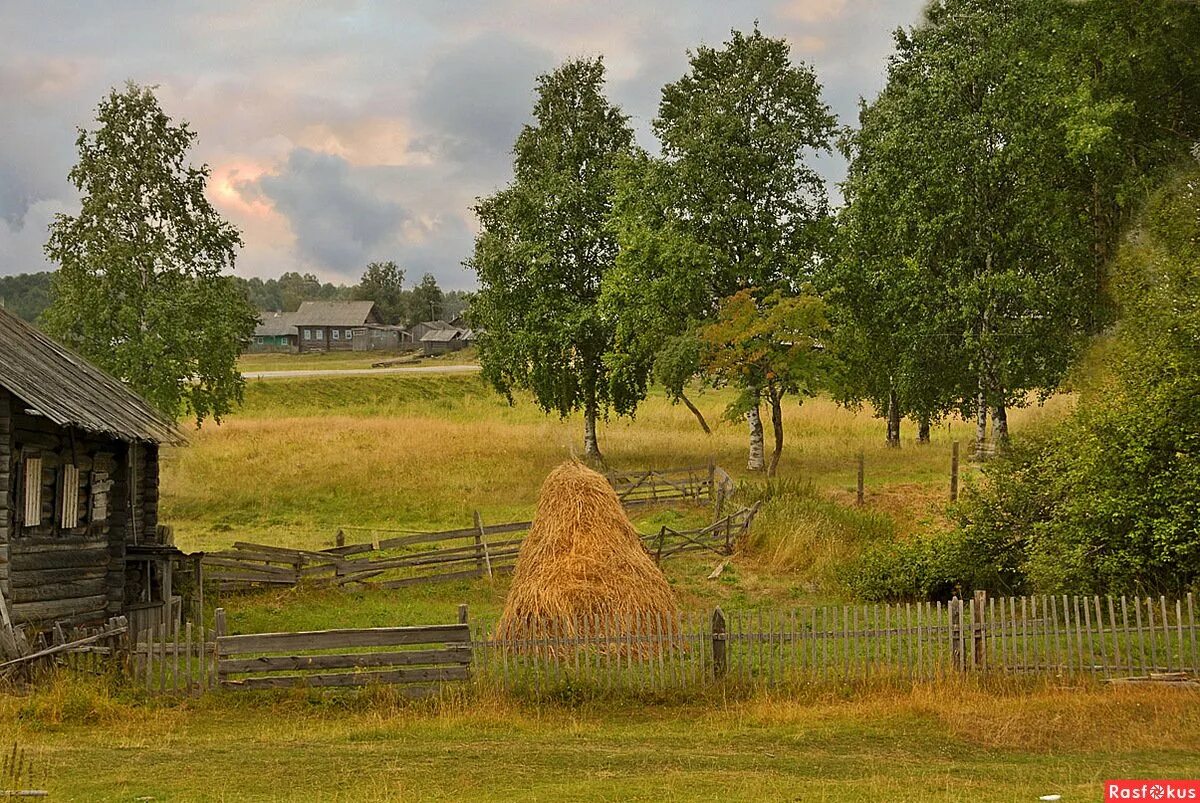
[[277, 663], [60, 609], [47, 592], [350, 679], [333, 639]]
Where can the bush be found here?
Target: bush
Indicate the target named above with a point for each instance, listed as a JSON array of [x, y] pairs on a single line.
[[934, 567]]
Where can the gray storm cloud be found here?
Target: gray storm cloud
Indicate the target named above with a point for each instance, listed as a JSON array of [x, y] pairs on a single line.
[[340, 133]]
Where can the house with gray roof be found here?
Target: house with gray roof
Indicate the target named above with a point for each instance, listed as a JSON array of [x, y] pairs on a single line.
[[330, 325]]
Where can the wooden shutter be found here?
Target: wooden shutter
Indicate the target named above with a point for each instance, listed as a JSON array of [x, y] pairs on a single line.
[[33, 492], [69, 509]]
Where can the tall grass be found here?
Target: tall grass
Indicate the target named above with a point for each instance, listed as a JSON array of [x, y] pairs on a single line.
[[306, 456], [802, 531]]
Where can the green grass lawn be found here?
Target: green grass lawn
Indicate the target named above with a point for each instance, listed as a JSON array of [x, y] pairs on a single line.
[[930, 744]]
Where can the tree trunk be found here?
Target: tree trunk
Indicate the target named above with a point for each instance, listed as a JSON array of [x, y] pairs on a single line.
[[696, 412], [776, 397], [923, 429], [591, 446], [981, 413], [1000, 424], [756, 462], [893, 420]]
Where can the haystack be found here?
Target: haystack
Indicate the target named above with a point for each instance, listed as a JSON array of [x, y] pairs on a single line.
[[582, 568]]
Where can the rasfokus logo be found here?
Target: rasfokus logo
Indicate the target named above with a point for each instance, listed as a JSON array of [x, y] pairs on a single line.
[[1151, 790]]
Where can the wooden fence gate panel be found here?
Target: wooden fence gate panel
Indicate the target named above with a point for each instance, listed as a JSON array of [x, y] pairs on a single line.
[[437, 654]]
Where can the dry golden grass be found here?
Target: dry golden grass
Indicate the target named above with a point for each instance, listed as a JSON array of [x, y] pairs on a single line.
[[308, 456], [944, 742], [581, 564]]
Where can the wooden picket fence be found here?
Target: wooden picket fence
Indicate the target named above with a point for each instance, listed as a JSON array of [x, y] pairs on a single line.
[[1109, 637], [174, 658], [407, 558]]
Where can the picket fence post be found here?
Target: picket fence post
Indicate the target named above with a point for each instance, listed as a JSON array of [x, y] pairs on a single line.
[[718, 644]]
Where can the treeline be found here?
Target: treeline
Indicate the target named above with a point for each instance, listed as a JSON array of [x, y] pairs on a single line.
[[28, 295], [988, 186]]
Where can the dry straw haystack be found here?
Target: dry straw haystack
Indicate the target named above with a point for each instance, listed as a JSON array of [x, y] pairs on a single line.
[[582, 569]]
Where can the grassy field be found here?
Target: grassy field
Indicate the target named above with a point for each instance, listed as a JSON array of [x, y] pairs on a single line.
[[943, 743], [309, 456]]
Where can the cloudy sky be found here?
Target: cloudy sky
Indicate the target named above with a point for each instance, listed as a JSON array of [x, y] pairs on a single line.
[[342, 132]]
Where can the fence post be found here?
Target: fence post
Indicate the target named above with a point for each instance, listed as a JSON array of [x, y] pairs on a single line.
[[977, 628], [339, 539], [712, 476], [219, 629], [955, 611], [954, 472], [482, 558], [462, 614], [861, 468], [718, 644]]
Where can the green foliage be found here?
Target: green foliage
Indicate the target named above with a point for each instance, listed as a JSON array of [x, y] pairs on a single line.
[[383, 283], [987, 186], [426, 301], [26, 295], [140, 289], [934, 567], [1107, 501], [732, 205], [544, 249]]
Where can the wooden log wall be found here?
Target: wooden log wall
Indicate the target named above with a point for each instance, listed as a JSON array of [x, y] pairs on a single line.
[[7, 495], [55, 574]]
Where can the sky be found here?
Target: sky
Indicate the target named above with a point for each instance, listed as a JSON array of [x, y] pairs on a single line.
[[343, 132]]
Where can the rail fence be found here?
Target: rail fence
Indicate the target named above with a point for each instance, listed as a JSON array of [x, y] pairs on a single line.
[[1109, 637], [414, 558], [651, 486]]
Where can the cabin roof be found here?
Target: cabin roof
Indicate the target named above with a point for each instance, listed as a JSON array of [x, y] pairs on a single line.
[[335, 313], [69, 391], [441, 335], [276, 324]]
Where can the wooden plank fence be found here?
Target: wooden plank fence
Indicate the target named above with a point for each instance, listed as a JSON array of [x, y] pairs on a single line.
[[1114, 638], [412, 558], [427, 657]]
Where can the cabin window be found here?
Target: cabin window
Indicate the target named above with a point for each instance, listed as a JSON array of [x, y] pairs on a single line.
[[319, 334], [32, 509], [337, 334], [69, 498], [308, 334], [349, 334]]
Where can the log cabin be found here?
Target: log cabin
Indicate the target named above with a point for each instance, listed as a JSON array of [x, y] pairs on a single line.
[[79, 458]]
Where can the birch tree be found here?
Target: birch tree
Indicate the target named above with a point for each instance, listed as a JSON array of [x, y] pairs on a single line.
[[544, 249]]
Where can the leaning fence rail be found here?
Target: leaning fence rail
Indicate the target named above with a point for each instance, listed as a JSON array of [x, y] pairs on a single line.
[[429, 557]]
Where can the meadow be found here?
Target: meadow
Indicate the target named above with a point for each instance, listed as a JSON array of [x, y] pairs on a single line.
[[306, 457]]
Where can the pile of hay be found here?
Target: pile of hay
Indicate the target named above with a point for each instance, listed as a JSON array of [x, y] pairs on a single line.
[[582, 569]]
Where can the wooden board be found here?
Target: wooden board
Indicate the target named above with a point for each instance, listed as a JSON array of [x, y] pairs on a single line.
[[345, 638], [295, 663]]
